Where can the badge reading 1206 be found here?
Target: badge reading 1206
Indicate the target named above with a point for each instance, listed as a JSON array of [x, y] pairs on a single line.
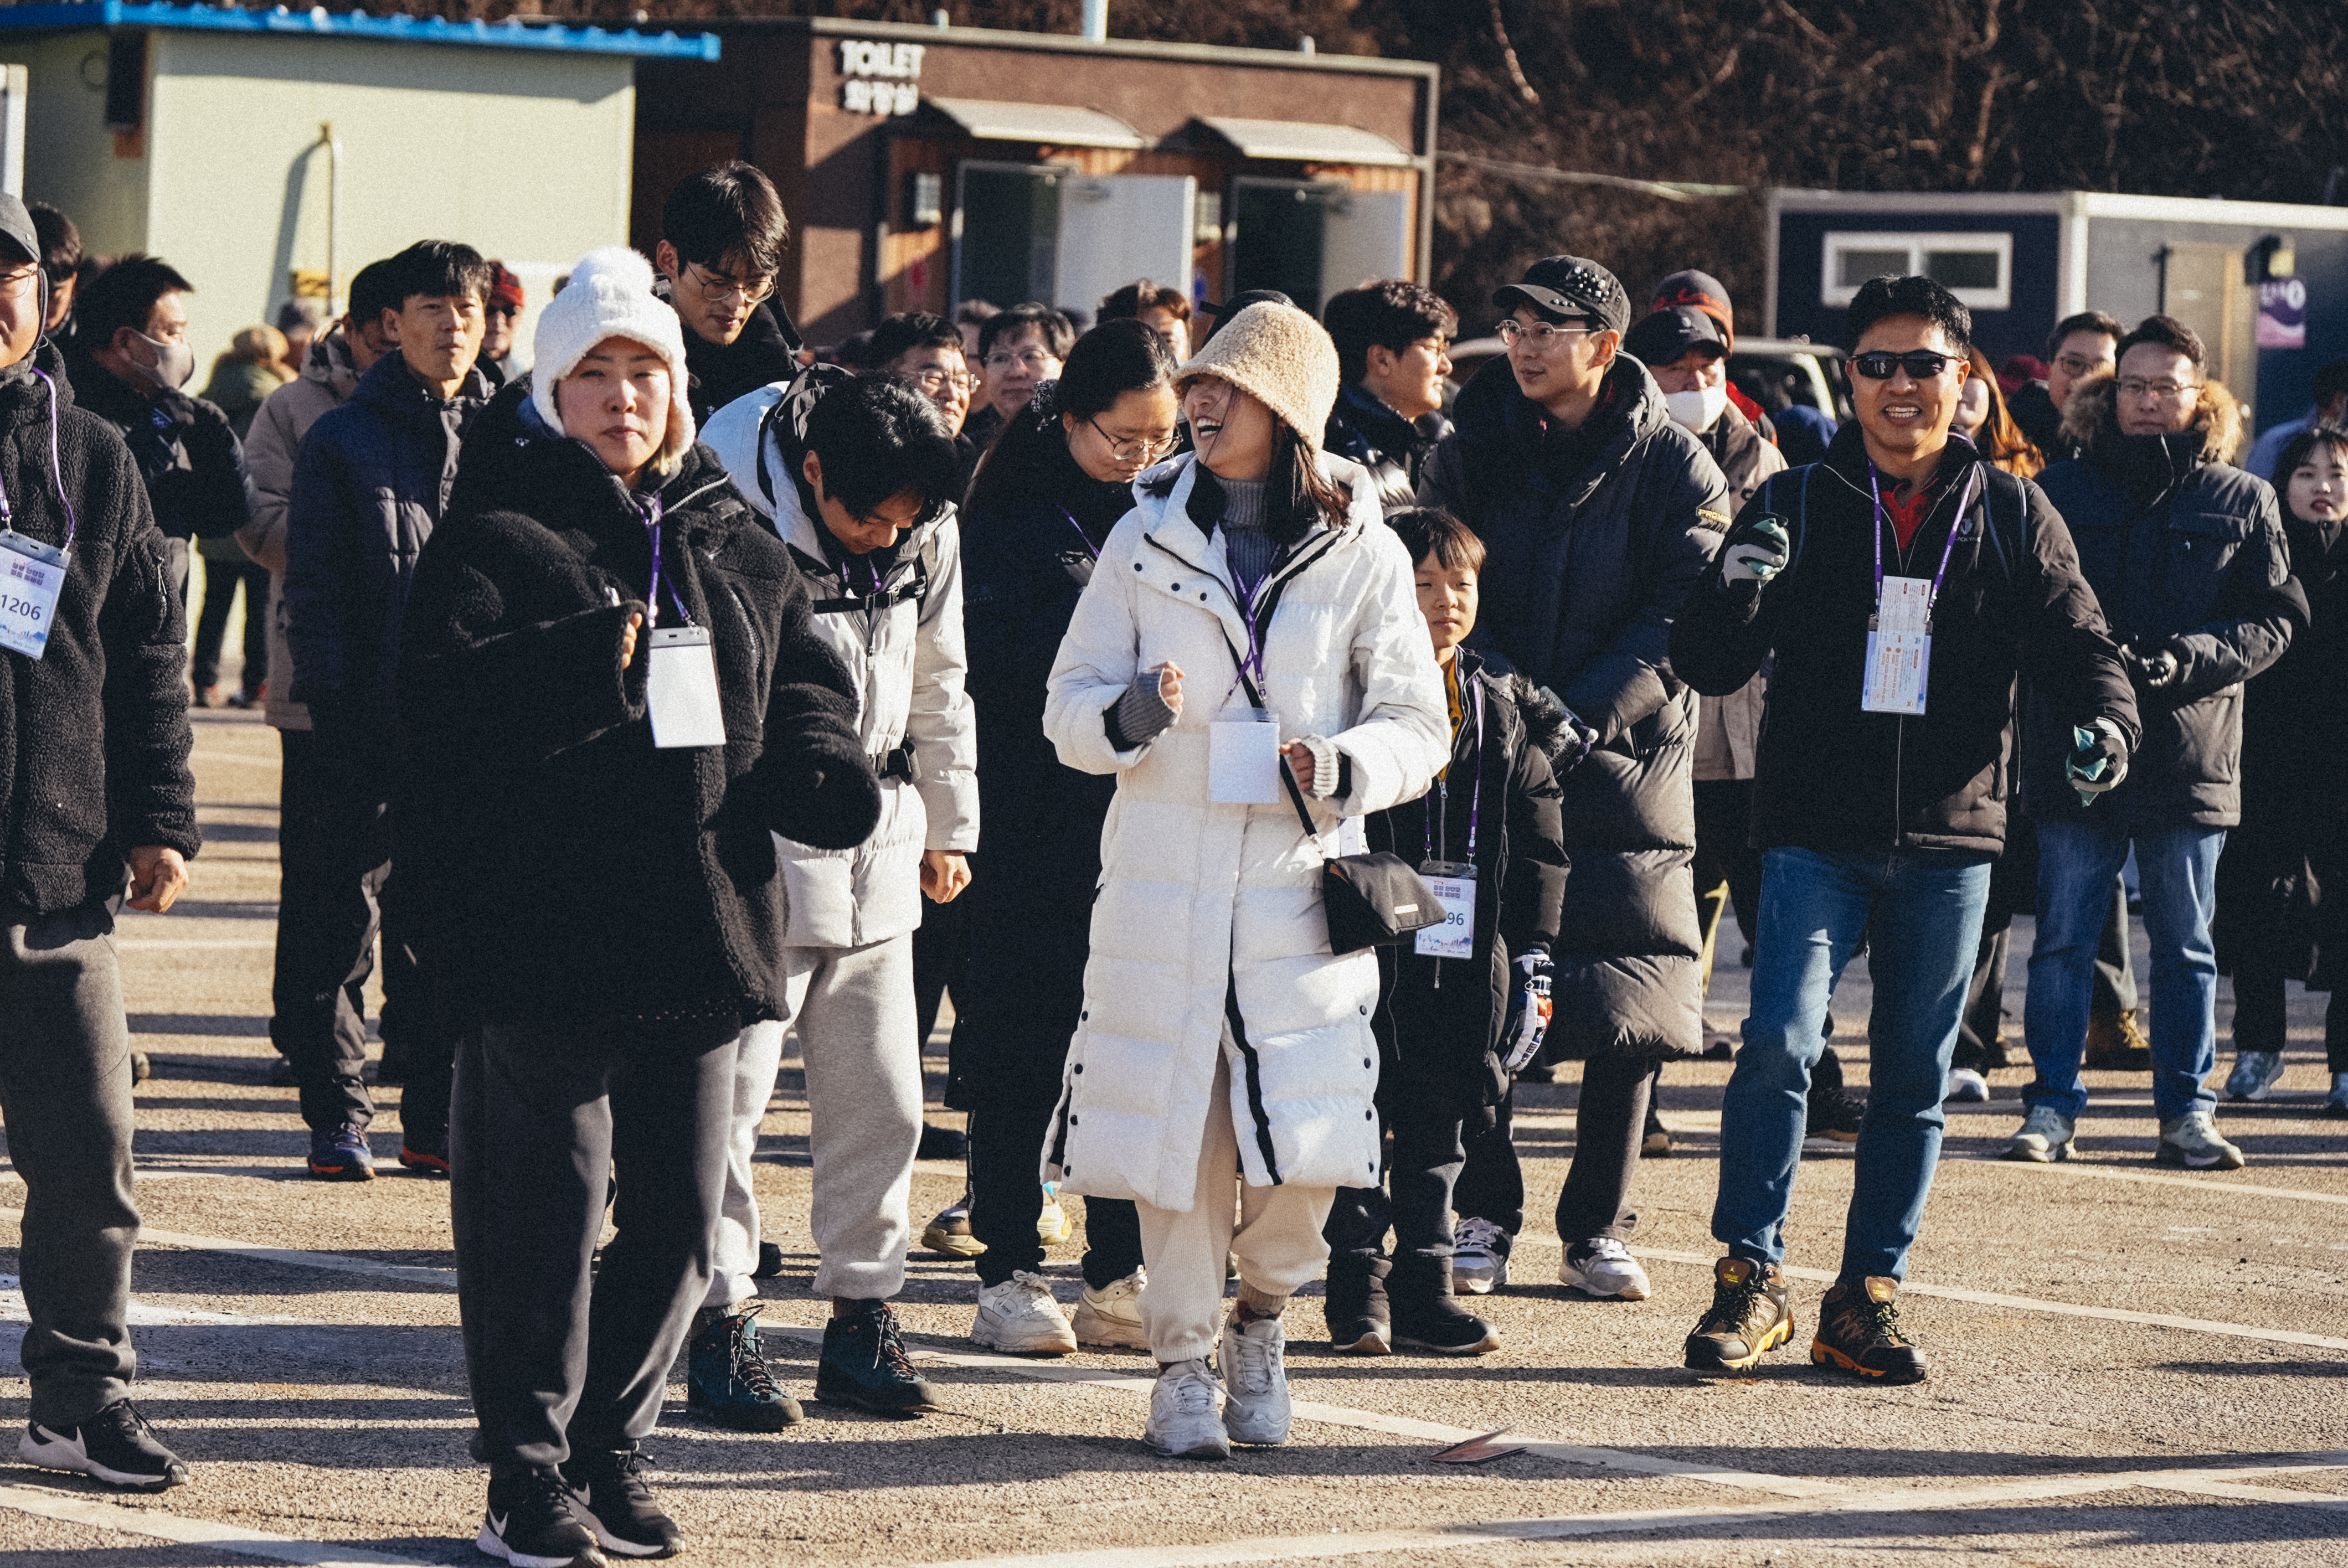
[[32, 575]]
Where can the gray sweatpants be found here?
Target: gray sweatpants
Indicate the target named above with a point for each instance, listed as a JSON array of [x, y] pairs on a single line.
[[852, 1010], [64, 1095]]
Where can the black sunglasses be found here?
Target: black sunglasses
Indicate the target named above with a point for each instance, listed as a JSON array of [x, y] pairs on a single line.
[[1921, 364]]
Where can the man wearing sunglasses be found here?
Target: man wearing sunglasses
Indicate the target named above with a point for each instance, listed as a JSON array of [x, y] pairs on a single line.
[[2188, 555], [1598, 515], [856, 474], [720, 256], [1903, 585]]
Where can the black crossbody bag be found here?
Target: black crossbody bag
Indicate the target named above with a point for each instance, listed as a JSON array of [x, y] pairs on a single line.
[[1373, 899]]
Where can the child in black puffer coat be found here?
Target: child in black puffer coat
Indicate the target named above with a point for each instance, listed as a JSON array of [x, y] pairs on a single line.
[[1462, 1007]]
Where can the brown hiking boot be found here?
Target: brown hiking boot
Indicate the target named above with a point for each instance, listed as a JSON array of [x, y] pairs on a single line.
[[1749, 1318], [2115, 1044], [1859, 1331]]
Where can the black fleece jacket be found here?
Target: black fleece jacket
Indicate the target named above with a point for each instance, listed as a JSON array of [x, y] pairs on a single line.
[[1830, 777], [564, 867], [94, 735]]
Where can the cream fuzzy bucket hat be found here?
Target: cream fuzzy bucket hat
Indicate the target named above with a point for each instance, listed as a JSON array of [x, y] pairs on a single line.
[[609, 294], [1281, 356]]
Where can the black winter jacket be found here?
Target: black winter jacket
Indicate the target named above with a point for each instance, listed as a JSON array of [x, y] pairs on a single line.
[[186, 449], [767, 351], [94, 736], [1027, 542], [371, 482], [2185, 553], [1439, 1020], [2282, 883], [1830, 777], [564, 867], [1393, 449], [1594, 542]]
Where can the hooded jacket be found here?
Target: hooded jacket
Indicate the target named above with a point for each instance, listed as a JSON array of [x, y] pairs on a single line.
[[328, 378], [190, 459], [1392, 448], [1211, 911], [1439, 1020], [901, 641], [94, 736], [1594, 539], [2187, 553], [563, 867], [1832, 778], [1029, 541]]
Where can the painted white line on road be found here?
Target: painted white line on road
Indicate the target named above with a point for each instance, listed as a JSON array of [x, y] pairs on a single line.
[[2232, 1189], [155, 1524], [336, 1262], [2213, 1483]]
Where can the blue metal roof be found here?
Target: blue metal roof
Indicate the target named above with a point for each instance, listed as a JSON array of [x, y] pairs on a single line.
[[319, 22]]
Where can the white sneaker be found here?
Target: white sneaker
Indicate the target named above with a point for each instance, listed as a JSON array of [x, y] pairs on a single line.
[[1020, 1316], [2044, 1137], [1251, 1358], [2254, 1075], [1112, 1315], [1052, 1225], [1479, 1258], [1604, 1266], [1967, 1087], [1183, 1422], [2193, 1142]]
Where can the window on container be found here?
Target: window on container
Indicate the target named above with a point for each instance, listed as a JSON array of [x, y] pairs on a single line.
[[1976, 268]]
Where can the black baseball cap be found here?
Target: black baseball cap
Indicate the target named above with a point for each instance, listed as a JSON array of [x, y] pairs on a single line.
[[1569, 286], [1666, 335], [1702, 291], [16, 228]]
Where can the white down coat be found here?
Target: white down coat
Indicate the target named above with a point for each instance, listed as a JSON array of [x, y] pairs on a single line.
[[903, 653], [1200, 901]]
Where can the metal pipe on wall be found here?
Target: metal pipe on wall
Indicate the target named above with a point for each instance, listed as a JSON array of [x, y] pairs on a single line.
[[1096, 20], [334, 208]]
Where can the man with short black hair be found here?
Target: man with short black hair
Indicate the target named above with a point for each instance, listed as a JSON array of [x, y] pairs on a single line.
[[1879, 793], [2079, 346], [95, 718], [1165, 309], [855, 472], [720, 256], [1393, 340], [129, 361], [2188, 556], [2331, 407], [61, 264], [1018, 350], [370, 484]]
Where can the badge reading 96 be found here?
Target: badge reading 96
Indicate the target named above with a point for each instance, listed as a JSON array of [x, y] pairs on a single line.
[[32, 575]]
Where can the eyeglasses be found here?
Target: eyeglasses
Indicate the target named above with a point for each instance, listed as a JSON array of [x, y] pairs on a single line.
[[1034, 359], [2076, 365], [17, 282], [934, 381], [1542, 335], [717, 288], [1921, 364], [1139, 449], [2158, 391]]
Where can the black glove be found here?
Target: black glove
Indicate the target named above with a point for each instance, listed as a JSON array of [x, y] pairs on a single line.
[[1574, 740], [1529, 1012], [2152, 666], [2098, 760]]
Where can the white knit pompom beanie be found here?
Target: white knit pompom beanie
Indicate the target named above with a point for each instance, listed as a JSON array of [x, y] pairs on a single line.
[[609, 294], [1281, 356]]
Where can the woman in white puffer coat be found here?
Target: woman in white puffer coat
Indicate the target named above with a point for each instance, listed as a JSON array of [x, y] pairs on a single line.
[[1219, 1032]]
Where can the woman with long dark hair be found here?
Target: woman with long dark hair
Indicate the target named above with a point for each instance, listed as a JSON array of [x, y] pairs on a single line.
[[1059, 477], [1219, 1032]]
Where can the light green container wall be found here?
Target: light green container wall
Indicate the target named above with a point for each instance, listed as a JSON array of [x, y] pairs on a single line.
[[69, 159], [525, 156]]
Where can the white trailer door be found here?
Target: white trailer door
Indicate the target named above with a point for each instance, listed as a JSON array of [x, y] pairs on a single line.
[[1117, 228], [1366, 235]]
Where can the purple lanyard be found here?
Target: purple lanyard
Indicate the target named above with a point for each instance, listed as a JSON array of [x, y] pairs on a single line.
[[73, 524], [1973, 480], [1089, 551], [1476, 799], [651, 514]]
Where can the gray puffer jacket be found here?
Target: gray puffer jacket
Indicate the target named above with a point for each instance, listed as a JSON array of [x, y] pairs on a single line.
[[1595, 539]]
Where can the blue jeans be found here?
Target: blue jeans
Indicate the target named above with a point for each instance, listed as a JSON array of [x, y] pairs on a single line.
[[1921, 917], [2178, 869]]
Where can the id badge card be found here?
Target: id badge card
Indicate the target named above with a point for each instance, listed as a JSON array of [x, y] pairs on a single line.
[[1243, 758], [1453, 883], [32, 575], [1899, 649], [681, 689]]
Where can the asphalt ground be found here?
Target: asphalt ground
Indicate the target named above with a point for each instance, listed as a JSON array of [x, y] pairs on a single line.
[[2129, 1365]]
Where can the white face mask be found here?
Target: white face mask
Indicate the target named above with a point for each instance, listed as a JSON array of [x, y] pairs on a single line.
[[1697, 410]]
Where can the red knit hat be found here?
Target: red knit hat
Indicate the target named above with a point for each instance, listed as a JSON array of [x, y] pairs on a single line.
[[505, 289]]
